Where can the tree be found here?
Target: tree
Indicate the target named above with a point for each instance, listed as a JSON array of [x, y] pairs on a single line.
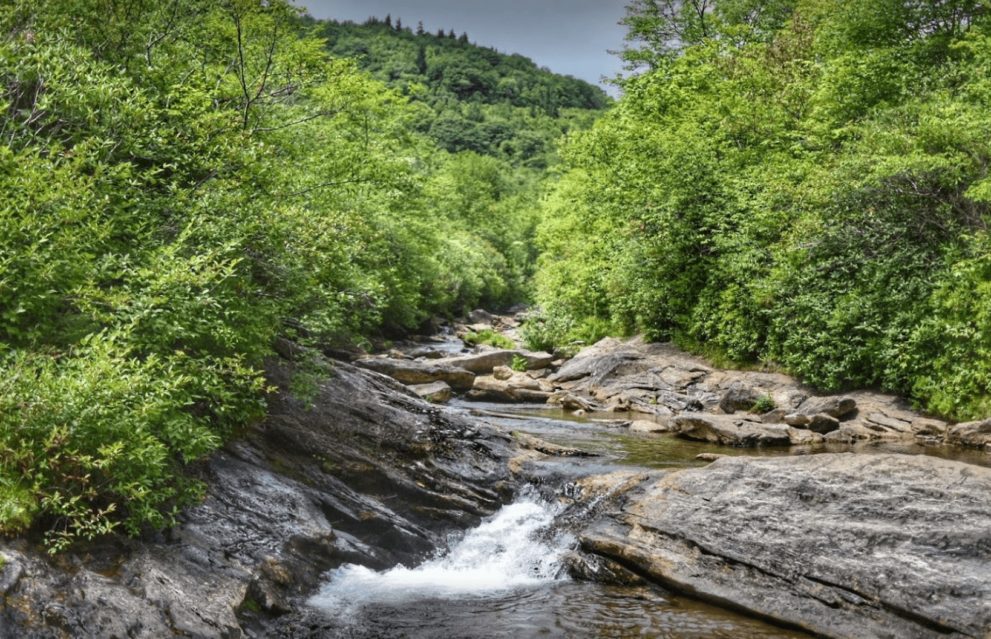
[[399, 24], [659, 29], [421, 59], [388, 20], [463, 39], [419, 28]]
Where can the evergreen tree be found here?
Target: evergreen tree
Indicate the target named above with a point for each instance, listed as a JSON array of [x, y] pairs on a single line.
[[419, 28], [388, 20], [399, 24], [463, 39], [421, 59], [451, 34]]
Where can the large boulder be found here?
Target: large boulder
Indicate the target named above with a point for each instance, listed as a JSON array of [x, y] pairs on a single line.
[[834, 406], [738, 398], [435, 393], [518, 388], [842, 545], [731, 431], [976, 434], [415, 373]]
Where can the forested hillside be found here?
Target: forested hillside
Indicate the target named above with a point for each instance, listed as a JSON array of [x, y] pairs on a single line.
[[183, 184], [478, 99], [802, 183]]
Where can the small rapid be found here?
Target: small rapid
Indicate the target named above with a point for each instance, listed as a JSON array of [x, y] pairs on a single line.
[[513, 549]]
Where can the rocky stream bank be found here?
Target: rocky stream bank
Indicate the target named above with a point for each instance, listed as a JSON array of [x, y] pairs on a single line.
[[370, 469]]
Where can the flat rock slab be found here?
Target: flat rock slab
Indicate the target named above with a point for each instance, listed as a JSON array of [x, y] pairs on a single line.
[[487, 361], [435, 393], [729, 430], [415, 373], [842, 545]]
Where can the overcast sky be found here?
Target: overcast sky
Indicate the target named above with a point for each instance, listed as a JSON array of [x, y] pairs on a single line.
[[572, 37]]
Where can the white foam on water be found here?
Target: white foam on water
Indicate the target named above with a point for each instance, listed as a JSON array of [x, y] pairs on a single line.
[[508, 551]]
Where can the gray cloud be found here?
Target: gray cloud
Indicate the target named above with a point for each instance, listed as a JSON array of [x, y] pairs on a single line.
[[568, 36]]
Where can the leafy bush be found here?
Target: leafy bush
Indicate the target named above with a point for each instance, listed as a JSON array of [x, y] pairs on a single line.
[[167, 214], [808, 190], [489, 337], [519, 364], [764, 404]]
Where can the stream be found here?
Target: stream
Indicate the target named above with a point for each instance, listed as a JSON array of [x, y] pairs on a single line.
[[506, 578]]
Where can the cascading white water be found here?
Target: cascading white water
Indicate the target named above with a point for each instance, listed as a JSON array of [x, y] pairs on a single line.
[[507, 551]]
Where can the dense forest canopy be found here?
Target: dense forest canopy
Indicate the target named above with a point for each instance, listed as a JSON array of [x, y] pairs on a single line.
[[185, 182], [802, 183]]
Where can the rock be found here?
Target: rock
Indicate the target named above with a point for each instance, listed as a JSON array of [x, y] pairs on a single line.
[[479, 316], [484, 363], [866, 546], [802, 437], [823, 424], [709, 457], [646, 426], [731, 431], [600, 570], [976, 434], [850, 433], [776, 416], [415, 373], [926, 427], [838, 407], [518, 388], [572, 402], [659, 379], [435, 393], [395, 475], [798, 420], [890, 423], [547, 448], [503, 373], [600, 361], [10, 573], [738, 398], [426, 352]]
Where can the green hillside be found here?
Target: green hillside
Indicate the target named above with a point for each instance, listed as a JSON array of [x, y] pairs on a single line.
[[479, 99]]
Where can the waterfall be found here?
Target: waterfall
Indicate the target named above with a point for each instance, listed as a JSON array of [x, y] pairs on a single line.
[[512, 549]]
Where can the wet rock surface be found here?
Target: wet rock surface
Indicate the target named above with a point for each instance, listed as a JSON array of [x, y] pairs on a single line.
[[841, 545], [365, 472], [413, 372]]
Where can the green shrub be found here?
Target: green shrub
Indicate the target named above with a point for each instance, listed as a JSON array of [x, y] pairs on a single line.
[[764, 404], [806, 197], [160, 228], [489, 337], [519, 364]]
